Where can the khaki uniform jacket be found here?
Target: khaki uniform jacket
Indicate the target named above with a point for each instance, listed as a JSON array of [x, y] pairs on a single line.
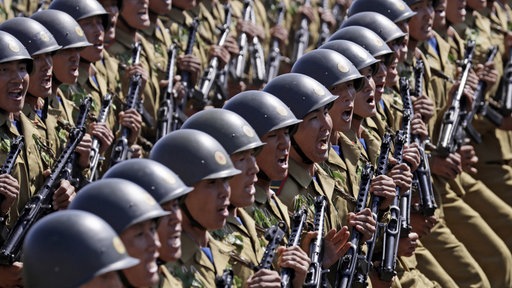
[[167, 280], [273, 209], [409, 276]]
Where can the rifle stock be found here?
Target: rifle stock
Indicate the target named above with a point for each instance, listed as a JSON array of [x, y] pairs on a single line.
[[14, 151]]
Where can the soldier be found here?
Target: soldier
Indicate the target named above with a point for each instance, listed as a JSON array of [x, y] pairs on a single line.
[[133, 214], [52, 260], [167, 189], [200, 161]]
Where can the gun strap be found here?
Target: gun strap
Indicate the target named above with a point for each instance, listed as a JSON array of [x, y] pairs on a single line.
[[192, 220], [299, 151], [124, 280]]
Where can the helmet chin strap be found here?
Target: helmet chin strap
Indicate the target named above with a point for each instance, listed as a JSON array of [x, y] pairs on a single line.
[[192, 220], [299, 151], [124, 280]]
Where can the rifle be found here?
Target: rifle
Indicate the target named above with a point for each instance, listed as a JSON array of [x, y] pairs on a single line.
[[316, 276], [452, 135], [40, 204], [15, 150], [94, 156], [298, 221], [274, 235], [274, 57], [120, 151], [353, 266], [243, 44], [226, 280], [325, 32], [211, 72], [301, 36], [505, 100], [386, 270], [480, 105], [167, 120], [186, 79], [257, 56]]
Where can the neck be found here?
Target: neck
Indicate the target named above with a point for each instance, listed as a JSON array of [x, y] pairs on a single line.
[[356, 125], [309, 167], [123, 26], [197, 234]]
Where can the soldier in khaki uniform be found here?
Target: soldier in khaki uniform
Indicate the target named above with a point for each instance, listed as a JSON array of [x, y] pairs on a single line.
[[167, 188], [200, 161], [47, 261]]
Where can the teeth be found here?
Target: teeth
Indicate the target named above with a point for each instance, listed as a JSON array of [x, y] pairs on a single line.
[[152, 267]]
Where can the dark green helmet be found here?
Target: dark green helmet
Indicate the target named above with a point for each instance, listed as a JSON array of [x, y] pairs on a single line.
[[395, 10], [194, 156], [378, 23], [81, 9], [227, 127], [365, 38], [32, 34], [264, 111], [119, 202], [359, 56], [69, 248], [328, 67], [301, 93], [159, 181], [11, 49], [63, 27]]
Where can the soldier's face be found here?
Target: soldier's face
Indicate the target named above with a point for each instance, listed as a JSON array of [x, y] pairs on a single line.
[[456, 11], [107, 280], [141, 242], [343, 107], [242, 185], [14, 81], [135, 13], [420, 25], [440, 15], [313, 135], [95, 33], [400, 49], [41, 76], [113, 12], [169, 232], [364, 103], [208, 202], [65, 65], [380, 79], [273, 157], [160, 7]]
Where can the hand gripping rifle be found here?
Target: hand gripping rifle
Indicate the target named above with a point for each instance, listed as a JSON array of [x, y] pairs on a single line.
[[167, 120], [325, 32], [121, 149], [505, 100], [301, 36], [94, 156], [353, 266], [15, 150], [243, 44], [186, 79], [257, 56], [316, 276], [452, 134], [298, 222], [421, 177], [210, 74], [40, 204], [274, 57]]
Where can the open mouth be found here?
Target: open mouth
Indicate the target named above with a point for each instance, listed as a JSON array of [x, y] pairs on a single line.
[[16, 94], [347, 115], [283, 161], [323, 143], [46, 82]]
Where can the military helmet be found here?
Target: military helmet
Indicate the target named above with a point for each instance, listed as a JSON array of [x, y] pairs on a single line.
[[81, 9], [63, 27], [359, 56], [119, 202], [328, 67], [159, 181], [264, 111], [193, 155], [300, 92], [365, 38], [395, 10], [70, 248], [11, 49], [378, 23], [412, 2], [32, 34], [227, 127]]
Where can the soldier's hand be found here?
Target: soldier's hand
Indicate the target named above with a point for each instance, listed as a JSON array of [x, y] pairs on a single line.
[[488, 73], [468, 159], [10, 276], [384, 187], [448, 167], [264, 278], [10, 189], [83, 149], [132, 120], [424, 106], [136, 151], [335, 246], [363, 223], [63, 195], [422, 225], [294, 258], [327, 17], [222, 54], [418, 127], [411, 155], [280, 33], [408, 245], [401, 174], [190, 63], [376, 281], [307, 11], [138, 69], [103, 134], [232, 45]]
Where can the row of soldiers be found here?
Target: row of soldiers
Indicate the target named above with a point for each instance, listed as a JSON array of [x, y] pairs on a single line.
[[218, 194]]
